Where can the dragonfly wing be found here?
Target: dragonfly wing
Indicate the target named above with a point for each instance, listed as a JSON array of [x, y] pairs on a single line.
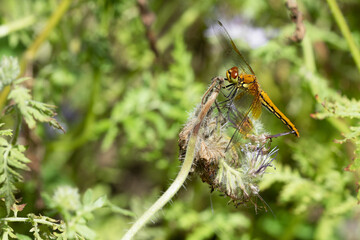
[[240, 122], [255, 107], [242, 100], [230, 48]]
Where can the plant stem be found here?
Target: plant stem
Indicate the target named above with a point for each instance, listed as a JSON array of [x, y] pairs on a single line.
[[25, 219], [340, 20], [310, 64], [172, 190], [184, 171], [308, 54], [18, 121], [53, 21]]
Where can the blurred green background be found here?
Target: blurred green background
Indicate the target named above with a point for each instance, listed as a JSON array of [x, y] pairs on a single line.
[[126, 74]]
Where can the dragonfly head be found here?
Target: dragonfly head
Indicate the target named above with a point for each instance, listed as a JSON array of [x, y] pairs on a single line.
[[232, 75]]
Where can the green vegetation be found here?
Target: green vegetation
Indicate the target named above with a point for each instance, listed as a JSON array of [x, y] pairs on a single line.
[[95, 93]]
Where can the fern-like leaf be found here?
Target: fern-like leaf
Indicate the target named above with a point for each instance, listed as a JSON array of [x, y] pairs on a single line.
[[339, 107], [31, 110], [5, 132], [353, 136], [12, 160]]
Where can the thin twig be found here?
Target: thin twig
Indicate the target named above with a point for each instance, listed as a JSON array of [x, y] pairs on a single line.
[[344, 28], [297, 18], [148, 17]]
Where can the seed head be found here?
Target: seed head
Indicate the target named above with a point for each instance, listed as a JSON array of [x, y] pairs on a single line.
[[234, 168]]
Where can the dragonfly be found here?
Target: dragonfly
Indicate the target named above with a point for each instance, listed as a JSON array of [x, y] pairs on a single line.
[[242, 81]]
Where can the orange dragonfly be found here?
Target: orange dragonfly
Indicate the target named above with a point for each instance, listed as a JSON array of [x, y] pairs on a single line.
[[243, 81]]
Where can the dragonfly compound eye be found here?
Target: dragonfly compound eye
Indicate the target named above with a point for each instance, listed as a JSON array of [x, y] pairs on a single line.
[[234, 73]]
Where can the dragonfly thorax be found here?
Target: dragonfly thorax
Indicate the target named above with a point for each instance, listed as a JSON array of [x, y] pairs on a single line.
[[246, 80]]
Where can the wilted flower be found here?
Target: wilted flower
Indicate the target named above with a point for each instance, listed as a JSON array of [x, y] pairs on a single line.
[[233, 168]]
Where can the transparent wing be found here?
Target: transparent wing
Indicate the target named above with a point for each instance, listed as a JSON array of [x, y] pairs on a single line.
[[240, 122], [230, 48], [238, 112]]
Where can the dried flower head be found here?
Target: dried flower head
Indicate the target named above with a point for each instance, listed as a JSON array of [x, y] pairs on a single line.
[[231, 165]]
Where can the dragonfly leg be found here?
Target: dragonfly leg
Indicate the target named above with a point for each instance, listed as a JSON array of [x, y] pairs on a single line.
[[233, 113], [230, 85], [215, 81], [279, 135], [232, 93], [229, 100], [219, 109]]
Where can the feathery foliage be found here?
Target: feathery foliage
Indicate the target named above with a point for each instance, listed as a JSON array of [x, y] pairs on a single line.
[[124, 76]]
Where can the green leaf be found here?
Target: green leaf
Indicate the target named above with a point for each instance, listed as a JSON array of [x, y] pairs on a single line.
[[87, 198], [353, 136], [6, 132], [85, 231], [89, 204], [22, 237], [120, 210], [31, 110], [7, 231], [12, 161], [340, 107]]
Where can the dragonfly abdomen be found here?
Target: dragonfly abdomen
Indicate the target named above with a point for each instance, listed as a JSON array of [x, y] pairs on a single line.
[[266, 102]]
